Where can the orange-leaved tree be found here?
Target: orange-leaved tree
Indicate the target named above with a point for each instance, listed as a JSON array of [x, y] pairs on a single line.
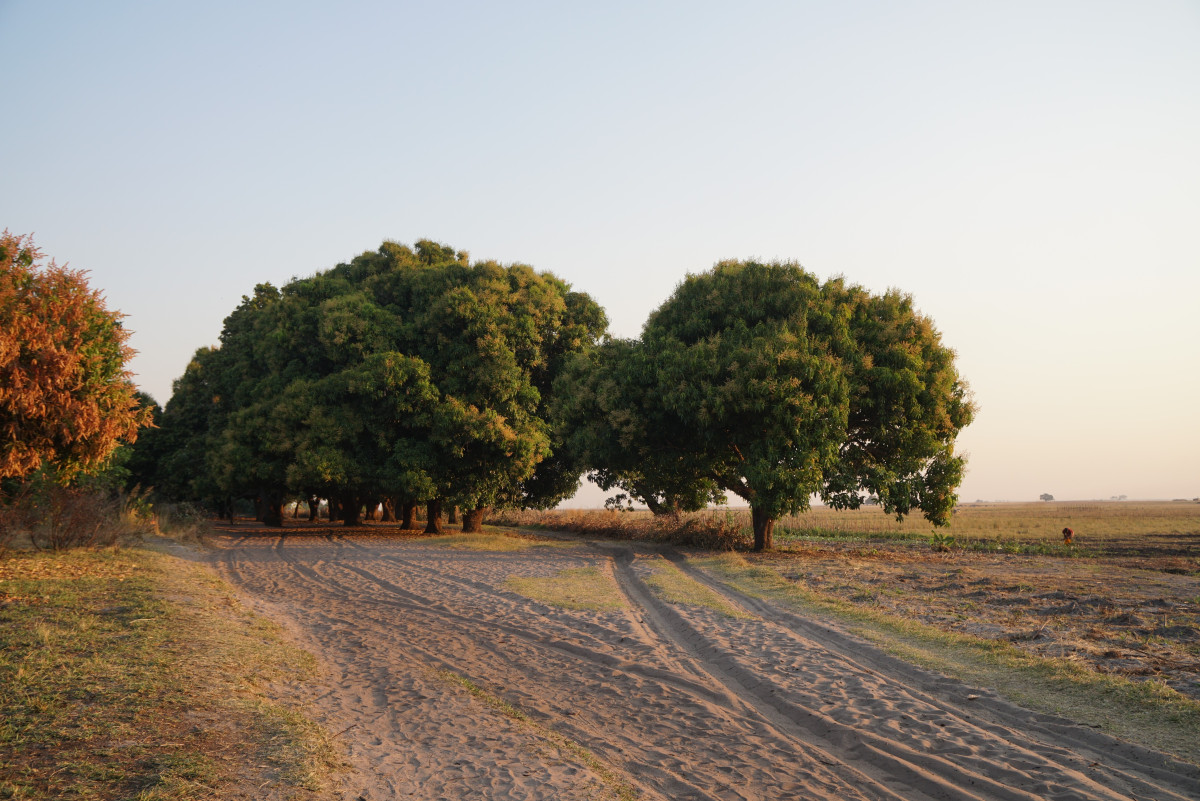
[[66, 399]]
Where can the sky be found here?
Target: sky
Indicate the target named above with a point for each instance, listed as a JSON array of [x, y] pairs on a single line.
[[1028, 171]]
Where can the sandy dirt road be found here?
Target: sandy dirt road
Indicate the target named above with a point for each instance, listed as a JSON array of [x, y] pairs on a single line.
[[671, 701]]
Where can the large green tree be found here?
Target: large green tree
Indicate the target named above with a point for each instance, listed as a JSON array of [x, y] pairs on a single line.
[[609, 415], [774, 387], [495, 337], [408, 374]]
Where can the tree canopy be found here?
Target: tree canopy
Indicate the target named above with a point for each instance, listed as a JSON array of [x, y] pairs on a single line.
[[407, 374], [66, 399], [413, 375], [758, 380]]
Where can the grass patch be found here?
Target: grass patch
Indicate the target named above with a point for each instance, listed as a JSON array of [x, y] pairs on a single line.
[[495, 541], [574, 588], [1145, 712], [674, 586], [132, 674], [618, 786]]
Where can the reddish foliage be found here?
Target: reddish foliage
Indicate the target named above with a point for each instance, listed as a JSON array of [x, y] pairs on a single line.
[[66, 400]]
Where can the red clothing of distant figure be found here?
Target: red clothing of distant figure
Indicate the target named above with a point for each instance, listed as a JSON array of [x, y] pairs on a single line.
[[1068, 534]]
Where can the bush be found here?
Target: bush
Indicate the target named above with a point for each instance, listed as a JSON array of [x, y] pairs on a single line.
[[181, 521], [56, 518], [66, 517]]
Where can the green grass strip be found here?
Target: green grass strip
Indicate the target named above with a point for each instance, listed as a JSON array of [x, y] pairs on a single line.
[[674, 586], [574, 588]]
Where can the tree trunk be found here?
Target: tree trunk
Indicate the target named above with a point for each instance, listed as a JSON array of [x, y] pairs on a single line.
[[433, 516], [410, 515], [472, 519], [314, 508], [764, 530], [375, 510], [389, 510], [271, 508], [452, 515], [351, 509]]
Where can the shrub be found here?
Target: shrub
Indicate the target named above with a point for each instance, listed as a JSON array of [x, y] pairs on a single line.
[[66, 517]]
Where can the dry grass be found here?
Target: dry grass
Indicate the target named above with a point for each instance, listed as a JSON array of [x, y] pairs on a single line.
[[674, 586], [495, 541], [1141, 709], [575, 588], [133, 674], [719, 531], [1101, 527]]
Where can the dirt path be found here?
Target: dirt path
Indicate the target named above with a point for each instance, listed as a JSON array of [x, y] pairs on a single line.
[[678, 702]]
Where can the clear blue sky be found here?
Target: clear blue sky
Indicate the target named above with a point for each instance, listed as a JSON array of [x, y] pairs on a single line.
[[1029, 171]]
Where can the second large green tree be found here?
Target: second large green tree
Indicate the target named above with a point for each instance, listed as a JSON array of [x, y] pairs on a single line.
[[759, 380]]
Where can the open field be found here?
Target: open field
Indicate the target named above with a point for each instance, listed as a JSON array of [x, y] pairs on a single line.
[[1123, 600], [1126, 528], [586, 669]]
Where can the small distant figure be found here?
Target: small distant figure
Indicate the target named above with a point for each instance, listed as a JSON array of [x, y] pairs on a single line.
[[1068, 536]]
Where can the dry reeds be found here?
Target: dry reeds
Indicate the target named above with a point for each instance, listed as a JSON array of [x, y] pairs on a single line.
[[713, 530]]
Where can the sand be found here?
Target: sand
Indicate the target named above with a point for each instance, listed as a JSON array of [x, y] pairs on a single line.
[[654, 700]]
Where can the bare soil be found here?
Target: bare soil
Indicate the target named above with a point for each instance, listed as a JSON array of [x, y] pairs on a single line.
[[654, 699]]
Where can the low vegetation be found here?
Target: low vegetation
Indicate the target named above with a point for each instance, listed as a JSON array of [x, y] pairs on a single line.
[[134, 674], [718, 531], [674, 586], [575, 588], [1147, 712], [1099, 527]]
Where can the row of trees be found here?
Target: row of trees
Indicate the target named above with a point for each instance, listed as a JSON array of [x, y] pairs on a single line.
[[406, 376], [413, 376]]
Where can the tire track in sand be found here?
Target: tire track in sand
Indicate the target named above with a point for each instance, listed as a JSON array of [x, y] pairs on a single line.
[[768, 708], [1001, 749], [645, 728], [678, 784]]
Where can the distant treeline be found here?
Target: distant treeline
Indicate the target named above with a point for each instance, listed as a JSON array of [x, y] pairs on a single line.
[[412, 376]]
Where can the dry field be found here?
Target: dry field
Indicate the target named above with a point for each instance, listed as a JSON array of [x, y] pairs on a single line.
[[496, 666], [1124, 599]]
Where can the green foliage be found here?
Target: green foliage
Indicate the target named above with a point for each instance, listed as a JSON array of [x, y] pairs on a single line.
[[758, 380], [407, 373], [941, 542], [609, 415]]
